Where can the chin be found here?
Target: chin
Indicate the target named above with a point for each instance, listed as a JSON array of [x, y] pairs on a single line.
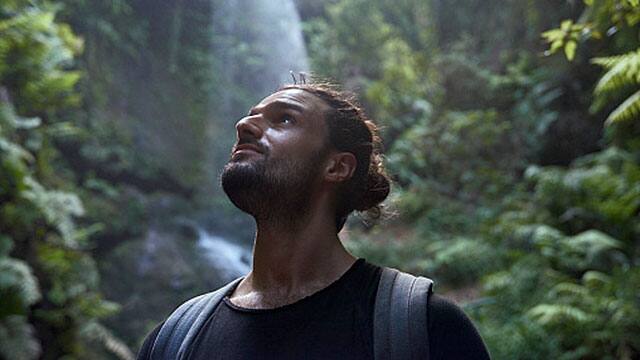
[[241, 181], [266, 189]]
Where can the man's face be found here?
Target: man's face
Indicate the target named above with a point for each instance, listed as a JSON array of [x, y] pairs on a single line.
[[279, 154]]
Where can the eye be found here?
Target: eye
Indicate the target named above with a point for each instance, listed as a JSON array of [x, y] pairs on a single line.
[[287, 119]]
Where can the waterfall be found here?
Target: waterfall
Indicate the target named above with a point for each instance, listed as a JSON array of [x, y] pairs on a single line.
[[260, 42], [278, 40], [230, 260]]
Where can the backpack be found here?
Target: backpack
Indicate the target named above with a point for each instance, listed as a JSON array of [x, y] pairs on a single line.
[[399, 330]]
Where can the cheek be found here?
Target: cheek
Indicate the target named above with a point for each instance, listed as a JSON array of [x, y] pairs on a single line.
[[292, 143]]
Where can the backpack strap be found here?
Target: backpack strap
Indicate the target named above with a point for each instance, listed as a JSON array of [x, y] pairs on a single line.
[[400, 316], [183, 325]]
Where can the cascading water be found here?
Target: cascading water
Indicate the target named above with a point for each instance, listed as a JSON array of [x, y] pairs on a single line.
[[258, 43], [278, 41], [231, 260]]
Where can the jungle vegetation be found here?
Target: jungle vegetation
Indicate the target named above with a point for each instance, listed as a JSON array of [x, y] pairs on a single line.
[[511, 128]]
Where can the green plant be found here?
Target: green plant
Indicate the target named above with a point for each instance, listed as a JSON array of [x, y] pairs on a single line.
[[623, 71], [48, 279]]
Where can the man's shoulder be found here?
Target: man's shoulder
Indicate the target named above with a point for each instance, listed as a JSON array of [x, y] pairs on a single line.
[[452, 334], [147, 346], [445, 311], [145, 350], [183, 318]]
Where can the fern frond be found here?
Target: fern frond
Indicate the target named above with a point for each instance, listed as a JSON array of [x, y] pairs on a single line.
[[609, 61], [18, 282], [622, 70], [628, 110], [548, 314], [570, 289], [594, 279], [591, 243]]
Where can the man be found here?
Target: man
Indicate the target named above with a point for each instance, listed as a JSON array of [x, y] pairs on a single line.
[[305, 158]]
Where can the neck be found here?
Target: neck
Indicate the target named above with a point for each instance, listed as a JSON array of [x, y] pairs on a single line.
[[288, 257]]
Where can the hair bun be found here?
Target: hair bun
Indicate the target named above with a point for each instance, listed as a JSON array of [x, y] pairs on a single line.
[[378, 187]]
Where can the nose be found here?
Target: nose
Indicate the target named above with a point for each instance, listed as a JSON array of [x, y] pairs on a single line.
[[248, 127]]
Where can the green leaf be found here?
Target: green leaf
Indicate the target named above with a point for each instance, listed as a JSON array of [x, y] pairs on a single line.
[[628, 110], [622, 70], [594, 279], [591, 244], [557, 44], [570, 49], [553, 34], [17, 283], [569, 289], [552, 314]]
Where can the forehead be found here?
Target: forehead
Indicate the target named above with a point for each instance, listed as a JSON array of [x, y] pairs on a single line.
[[297, 99]]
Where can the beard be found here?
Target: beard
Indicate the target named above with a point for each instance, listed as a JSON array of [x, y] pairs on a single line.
[[274, 190]]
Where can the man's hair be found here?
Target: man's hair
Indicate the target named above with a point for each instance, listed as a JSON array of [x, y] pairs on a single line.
[[350, 130]]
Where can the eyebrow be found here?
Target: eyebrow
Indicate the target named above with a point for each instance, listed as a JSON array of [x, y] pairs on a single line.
[[281, 104]]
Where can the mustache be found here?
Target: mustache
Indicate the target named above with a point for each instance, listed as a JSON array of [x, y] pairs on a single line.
[[246, 140]]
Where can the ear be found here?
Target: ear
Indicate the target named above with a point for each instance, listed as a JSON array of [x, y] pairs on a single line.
[[340, 167]]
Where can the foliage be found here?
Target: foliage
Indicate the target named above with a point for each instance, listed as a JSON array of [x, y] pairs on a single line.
[[142, 80], [622, 71], [48, 282], [43, 83], [453, 260], [600, 19], [504, 175], [583, 296], [462, 135], [472, 120], [566, 37], [382, 62], [617, 18], [436, 104]]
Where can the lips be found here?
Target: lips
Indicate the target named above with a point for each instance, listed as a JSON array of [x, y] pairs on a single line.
[[247, 148]]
